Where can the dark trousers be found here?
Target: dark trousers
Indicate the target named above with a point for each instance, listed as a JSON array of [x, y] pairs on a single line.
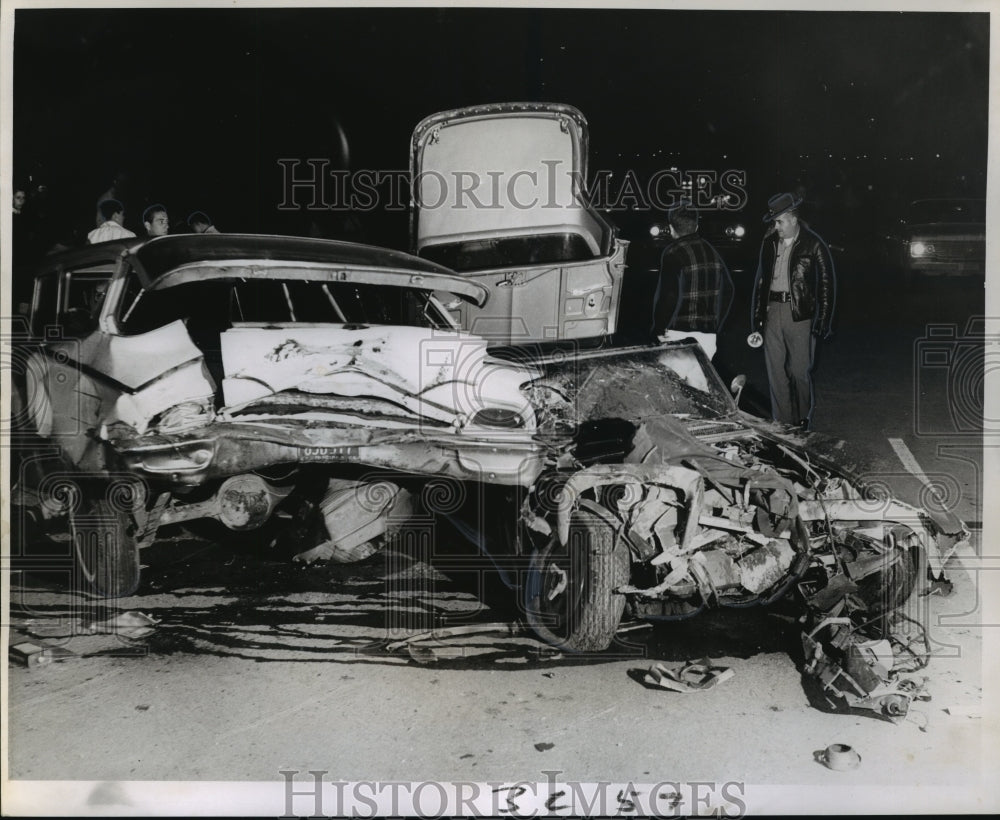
[[788, 352]]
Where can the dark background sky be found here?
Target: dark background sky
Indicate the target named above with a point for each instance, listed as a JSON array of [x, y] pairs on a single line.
[[198, 105]]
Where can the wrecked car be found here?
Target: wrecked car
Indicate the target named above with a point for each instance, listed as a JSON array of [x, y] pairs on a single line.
[[238, 378], [664, 500], [499, 196], [217, 368]]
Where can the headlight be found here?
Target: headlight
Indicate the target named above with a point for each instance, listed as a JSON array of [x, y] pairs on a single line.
[[737, 231], [921, 249], [655, 231], [183, 416], [498, 417]]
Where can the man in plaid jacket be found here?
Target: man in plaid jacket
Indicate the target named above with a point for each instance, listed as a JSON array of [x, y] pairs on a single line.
[[695, 289]]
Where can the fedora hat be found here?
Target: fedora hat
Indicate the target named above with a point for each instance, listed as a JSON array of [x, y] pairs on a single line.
[[779, 204]]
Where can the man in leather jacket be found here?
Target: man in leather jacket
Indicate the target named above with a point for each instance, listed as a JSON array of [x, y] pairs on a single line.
[[792, 305]]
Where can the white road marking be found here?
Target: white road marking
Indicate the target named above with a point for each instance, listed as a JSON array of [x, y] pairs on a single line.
[[908, 460]]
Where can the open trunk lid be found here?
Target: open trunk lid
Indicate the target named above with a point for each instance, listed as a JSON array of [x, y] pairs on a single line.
[[498, 195]]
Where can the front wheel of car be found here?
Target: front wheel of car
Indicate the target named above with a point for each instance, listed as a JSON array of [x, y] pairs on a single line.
[[104, 534], [889, 587], [570, 597]]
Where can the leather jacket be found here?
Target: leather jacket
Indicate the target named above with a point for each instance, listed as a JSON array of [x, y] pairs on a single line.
[[811, 279]]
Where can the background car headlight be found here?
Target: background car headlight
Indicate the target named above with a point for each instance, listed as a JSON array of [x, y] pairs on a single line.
[[921, 249], [735, 231], [655, 230]]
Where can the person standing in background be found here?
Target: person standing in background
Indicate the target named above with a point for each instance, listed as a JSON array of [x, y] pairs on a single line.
[[792, 306], [111, 228], [695, 290], [156, 220]]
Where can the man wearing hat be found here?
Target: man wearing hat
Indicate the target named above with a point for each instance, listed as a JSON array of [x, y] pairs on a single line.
[[792, 306], [695, 290]]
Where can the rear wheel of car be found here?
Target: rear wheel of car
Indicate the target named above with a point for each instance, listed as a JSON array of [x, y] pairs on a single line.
[[570, 597], [107, 550]]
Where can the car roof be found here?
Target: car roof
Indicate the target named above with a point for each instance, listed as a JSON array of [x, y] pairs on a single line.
[[165, 254], [170, 260], [101, 253], [159, 255]]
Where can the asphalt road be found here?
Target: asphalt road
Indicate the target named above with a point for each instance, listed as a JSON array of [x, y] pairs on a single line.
[[257, 665]]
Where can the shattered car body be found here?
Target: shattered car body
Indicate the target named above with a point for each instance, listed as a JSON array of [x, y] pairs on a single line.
[[227, 377], [499, 196], [677, 502]]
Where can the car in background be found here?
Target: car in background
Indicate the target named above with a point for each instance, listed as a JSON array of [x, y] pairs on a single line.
[[729, 232], [941, 237], [497, 198], [726, 230]]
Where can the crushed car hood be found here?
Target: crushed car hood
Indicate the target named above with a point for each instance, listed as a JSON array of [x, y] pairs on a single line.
[[440, 376]]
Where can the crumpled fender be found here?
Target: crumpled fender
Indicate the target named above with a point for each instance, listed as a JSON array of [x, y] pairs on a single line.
[[687, 479], [920, 520], [601, 475], [102, 379]]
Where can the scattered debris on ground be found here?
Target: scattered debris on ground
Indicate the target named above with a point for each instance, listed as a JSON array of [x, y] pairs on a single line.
[[838, 756], [860, 665], [694, 676], [37, 654], [57, 639]]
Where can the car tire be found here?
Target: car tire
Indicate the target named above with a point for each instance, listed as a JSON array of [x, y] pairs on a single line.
[[570, 598], [107, 550], [890, 587]]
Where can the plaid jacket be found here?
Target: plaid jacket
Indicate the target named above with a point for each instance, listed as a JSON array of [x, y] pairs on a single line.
[[695, 290]]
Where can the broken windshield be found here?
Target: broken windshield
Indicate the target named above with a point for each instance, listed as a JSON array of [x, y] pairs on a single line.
[[632, 383]]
